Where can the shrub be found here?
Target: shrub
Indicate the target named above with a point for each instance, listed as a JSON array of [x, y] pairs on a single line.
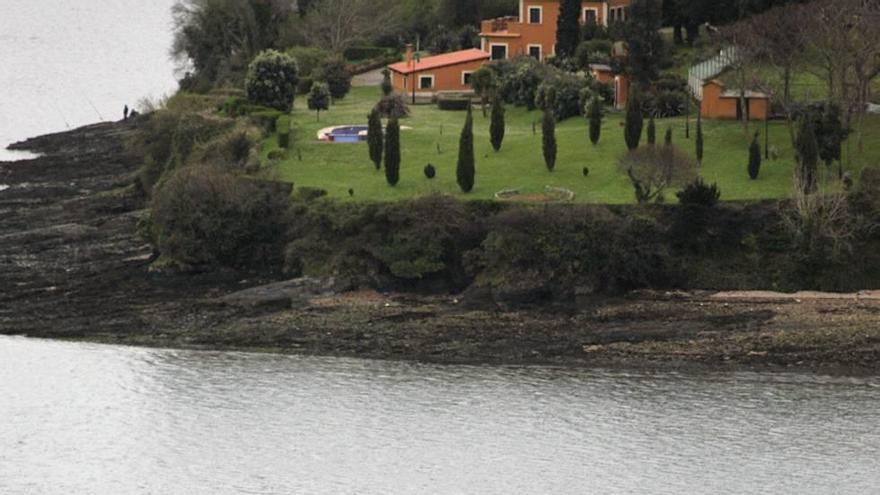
[[205, 216], [392, 106], [283, 128], [265, 119], [392, 152], [271, 80], [593, 51], [666, 104], [319, 98], [652, 169], [562, 95], [807, 154], [234, 148], [465, 169], [595, 115], [520, 79], [497, 125], [754, 158], [335, 73], [548, 129], [698, 193], [453, 103], [634, 121], [430, 171], [375, 138], [604, 90]]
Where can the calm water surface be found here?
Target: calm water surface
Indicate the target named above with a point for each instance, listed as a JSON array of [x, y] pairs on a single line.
[[81, 418], [66, 63]]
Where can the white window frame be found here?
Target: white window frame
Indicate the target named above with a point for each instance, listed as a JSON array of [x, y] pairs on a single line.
[[539, 47], [506, 50], [465, 73], [433, 82], [584, 14], [540, 10]]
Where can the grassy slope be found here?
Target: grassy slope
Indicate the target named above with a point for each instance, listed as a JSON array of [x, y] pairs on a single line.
[[519, 165]]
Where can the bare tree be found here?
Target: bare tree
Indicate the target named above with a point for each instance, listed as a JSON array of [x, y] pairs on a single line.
[[339, 24], [653, 169]]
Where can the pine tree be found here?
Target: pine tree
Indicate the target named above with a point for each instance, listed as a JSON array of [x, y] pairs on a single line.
[[632, 130], [668, 139], [548, 127], [465, 170], [375, 140], [699, 140], [754, 158], [496, 127], [652, 131], [808, 153], [594, 113], [568, 28], [392, 152]]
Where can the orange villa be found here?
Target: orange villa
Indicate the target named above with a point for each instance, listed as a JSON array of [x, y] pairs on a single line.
[[447, 72], [533, 33]]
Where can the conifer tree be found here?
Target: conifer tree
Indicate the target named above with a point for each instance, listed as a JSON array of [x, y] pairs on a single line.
[[568, 28], [652, 131], [387, 87], [699, 140], [754, 158], [392, 152], [808, 153], [668, 139], [632, 130], [465, 171], [497, 125], [375, 140], [594, 113], [548, 127]]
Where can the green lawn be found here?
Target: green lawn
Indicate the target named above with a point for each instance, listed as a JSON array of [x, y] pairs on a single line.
[[433, 138]]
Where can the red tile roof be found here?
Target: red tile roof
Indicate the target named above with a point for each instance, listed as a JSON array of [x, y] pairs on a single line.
[[436, 61]]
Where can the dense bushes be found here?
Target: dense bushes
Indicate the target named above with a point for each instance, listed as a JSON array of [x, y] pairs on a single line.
[[335, 73], [207, 216], [563, 94], [453, 104]]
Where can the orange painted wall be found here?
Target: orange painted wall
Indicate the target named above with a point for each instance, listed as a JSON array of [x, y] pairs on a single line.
[[714, 106], [522, 34], [446, 78]]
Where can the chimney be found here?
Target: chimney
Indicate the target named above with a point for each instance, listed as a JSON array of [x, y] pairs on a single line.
[[409, 55]]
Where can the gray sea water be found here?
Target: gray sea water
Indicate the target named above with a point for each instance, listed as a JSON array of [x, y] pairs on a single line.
[[89, 419], [67, 63]]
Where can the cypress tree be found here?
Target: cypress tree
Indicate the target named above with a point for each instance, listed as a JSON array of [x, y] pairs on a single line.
[[387, 87], [632, 130], [496, 127], [754, 158], [699, 140], [652, 131], [465, 170], [548, 127], [568, 28], [375, 140], [668, 139], [808, 153], [595, 115], [392, 152]]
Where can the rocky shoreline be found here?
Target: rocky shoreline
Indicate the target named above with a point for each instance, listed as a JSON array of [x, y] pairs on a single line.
[[73, 267]]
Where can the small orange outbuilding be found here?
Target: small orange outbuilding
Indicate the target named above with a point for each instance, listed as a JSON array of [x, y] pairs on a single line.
[[721, 103], [431, 75]]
